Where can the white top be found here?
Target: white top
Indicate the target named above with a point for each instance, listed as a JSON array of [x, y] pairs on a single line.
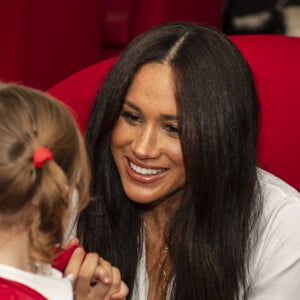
[[53, 287], [274, 272]]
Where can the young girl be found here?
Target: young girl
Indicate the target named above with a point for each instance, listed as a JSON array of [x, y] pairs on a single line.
[[43, 169]]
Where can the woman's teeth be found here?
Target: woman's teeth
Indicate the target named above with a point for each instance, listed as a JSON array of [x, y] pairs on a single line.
[[144, 171]]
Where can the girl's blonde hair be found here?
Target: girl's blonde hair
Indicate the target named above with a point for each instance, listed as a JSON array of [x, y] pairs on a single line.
[[30, 119]]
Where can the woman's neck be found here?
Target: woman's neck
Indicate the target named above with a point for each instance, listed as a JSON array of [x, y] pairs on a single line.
[[159, 267], [158, 214], [14, 249]]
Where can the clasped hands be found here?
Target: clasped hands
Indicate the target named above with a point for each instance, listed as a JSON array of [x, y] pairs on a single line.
[[93, 276]]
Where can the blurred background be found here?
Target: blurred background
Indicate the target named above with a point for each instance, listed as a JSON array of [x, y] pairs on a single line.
[[43, 42]]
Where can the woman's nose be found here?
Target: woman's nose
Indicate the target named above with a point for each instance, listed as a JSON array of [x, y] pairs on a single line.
[[146, 143]]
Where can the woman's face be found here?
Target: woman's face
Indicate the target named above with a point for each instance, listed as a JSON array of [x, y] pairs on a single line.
[[145, 142]]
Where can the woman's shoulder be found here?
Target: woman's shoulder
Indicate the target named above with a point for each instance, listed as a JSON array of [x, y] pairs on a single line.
[[275, 263], [273, 184], [277, 193], [281, 205]]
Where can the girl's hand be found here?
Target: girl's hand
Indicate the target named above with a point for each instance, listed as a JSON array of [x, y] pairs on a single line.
[[94, 277]]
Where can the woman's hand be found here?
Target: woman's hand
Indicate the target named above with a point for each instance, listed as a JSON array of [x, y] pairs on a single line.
[[94, 277]]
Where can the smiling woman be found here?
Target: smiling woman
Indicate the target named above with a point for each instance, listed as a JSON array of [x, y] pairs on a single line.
[[145, 141], [180, 205]]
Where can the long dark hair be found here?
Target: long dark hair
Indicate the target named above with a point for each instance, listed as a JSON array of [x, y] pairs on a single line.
[[211, 234]]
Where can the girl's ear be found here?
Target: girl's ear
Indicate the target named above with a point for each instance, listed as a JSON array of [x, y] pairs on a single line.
[[70, 219]]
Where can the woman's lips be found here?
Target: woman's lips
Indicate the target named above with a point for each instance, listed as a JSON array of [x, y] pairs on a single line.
[[142, 174]]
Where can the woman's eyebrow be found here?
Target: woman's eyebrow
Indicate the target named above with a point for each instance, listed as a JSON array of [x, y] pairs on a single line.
[[169, 117], [133, 106], [163, 116]]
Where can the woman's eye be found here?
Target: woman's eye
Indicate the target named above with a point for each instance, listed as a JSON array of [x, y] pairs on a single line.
[[130, 117], [172, 130]]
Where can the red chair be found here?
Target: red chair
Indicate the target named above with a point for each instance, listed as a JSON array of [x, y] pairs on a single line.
[[275, 62], [43, 42]]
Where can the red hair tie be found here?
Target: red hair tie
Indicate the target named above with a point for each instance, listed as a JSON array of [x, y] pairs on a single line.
[[40, 155]]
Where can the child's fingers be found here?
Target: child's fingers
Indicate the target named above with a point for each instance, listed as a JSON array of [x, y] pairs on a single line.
[[116, 282], [115, 287], [122, 293], [102, 280], [86, 272], [74, 265], [95, 278], [103, 272]]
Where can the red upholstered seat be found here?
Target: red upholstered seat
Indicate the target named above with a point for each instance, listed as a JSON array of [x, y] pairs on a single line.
[[43, 42], [79, 90], [275, 62]]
